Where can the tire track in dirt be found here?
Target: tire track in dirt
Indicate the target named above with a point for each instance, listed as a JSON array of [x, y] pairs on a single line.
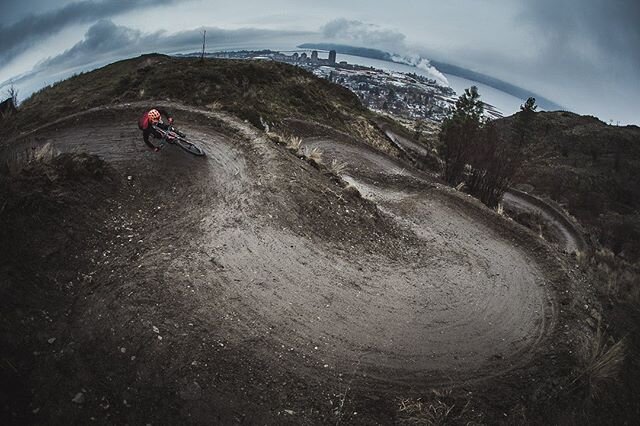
[[488, 301], [571, 239]]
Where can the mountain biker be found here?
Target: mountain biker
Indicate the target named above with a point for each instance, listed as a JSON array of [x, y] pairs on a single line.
[[151, 119]]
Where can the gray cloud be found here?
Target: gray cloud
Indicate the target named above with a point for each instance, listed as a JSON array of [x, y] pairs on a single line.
[[363, 34], [105, 42], [582, 54], [589, 53], [102, 38], [609, 28], [17, 37]]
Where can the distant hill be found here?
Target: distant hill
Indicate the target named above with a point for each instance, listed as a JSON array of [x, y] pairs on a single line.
[[592, 168], [264, 93], [444, 67], [258, 91]]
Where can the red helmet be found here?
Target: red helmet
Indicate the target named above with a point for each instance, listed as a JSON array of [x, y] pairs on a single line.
[[154, 116]]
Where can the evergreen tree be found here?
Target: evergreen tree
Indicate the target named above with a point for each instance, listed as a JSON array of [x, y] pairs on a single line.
[[474, 153], [459, 132], [523, 120], [529, 106], [469, 106]]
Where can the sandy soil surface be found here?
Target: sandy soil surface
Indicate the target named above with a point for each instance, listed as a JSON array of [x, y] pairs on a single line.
[[250, 286]]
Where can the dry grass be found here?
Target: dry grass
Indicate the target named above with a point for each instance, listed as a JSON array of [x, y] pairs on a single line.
[[314, 154], [46, 153], [20, 159], [294, 143], [215, 105], [439, 409], [600, 362], [417, 412], [582, 259], [337, 167]]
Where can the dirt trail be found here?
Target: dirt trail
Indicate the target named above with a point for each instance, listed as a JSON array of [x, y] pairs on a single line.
[[480, 299], [264, 260], [572, 239], [406, 144]]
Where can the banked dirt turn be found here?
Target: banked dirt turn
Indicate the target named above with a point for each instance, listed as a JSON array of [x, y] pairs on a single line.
[[249, 271]]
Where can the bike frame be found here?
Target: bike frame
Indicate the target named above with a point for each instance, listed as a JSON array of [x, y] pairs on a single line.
[[172, 135]]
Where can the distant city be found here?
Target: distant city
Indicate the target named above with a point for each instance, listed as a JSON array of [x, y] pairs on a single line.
[[402, 95]]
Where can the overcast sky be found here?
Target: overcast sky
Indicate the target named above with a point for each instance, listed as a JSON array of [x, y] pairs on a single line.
[[584, 55]]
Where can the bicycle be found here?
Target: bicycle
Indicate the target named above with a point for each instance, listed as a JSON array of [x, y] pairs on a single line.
[[174, 136]]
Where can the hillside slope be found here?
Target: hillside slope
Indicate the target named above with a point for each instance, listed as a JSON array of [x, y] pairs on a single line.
[[591, 168], [255, 285], [261, 92]]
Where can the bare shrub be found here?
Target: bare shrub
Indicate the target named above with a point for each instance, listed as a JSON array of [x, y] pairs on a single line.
[[600, 362], [494, 162], [12, 93], [468, 140]]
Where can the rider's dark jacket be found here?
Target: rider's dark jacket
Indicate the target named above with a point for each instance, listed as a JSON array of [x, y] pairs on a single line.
[[147, 129]]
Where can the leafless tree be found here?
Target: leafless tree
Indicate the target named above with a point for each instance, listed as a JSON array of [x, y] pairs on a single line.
[[204, 40], [12, 93]]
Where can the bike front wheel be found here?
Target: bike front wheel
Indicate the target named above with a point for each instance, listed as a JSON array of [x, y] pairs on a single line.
[[189, 147]]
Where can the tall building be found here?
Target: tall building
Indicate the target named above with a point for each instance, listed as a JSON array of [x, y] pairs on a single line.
[[332, 57], [314, 56]]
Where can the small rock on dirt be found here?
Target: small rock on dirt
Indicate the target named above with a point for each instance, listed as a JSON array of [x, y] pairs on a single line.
[[79, 398]]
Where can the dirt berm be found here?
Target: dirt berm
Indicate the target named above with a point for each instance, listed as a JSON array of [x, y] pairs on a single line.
[[252, 286]]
